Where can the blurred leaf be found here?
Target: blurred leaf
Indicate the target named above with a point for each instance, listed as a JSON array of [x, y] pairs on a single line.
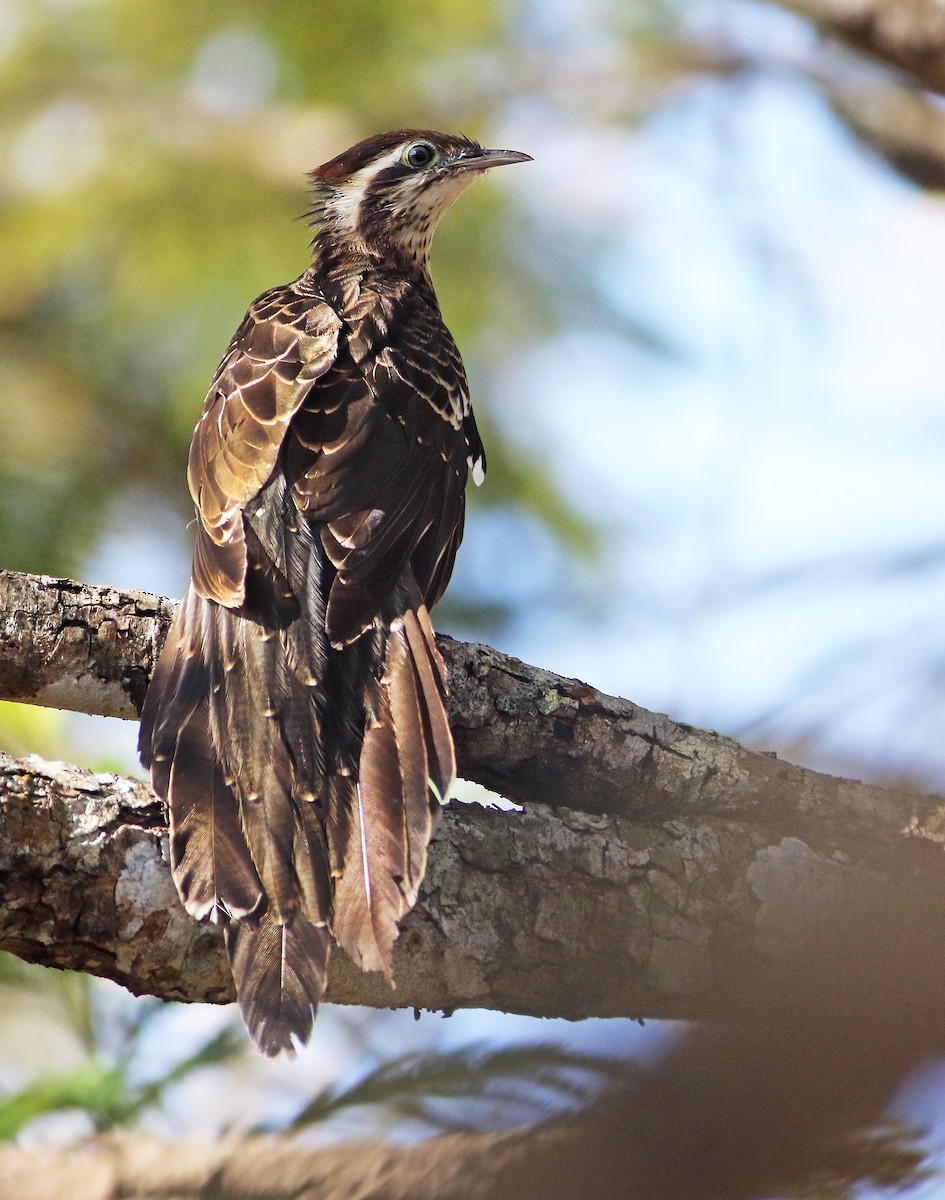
[[508, 1085], [65, 997], [29, 729], [226, 1046], [887, 1157], [104, 1089], [94, 1087]]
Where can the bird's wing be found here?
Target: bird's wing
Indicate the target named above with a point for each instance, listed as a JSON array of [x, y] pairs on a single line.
[[285, 343], [230, 691], [380, 460]]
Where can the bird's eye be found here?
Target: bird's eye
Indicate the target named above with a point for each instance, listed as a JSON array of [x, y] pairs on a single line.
[[419, 155]]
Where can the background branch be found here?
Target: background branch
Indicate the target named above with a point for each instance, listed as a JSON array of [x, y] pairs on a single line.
[[907, 34]]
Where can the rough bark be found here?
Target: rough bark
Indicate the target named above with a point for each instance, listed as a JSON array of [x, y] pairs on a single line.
[[654, 863], [73, 646], [890, 110], [656, 870]]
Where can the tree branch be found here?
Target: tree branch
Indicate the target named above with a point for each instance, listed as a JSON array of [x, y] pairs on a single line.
[[654, 863], [901, 123], [524, 732]]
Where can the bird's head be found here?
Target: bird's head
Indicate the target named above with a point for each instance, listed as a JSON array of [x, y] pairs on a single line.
[[385, 196]]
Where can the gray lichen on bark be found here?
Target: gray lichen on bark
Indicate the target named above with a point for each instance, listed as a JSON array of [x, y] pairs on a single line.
[[70, 645]]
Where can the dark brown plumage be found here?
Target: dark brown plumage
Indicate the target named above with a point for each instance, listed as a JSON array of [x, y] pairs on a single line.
[[295, 723]]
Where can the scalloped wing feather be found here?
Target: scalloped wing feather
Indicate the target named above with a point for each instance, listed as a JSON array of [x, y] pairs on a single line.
[[284, 345]]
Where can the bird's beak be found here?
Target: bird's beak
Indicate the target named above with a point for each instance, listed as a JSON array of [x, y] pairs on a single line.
[[481, 160]]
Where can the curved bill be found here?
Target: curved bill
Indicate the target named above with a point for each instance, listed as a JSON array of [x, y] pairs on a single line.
[[481, 160]]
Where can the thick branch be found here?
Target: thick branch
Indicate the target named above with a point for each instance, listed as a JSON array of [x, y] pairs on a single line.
[[526, 733], [654, 863]]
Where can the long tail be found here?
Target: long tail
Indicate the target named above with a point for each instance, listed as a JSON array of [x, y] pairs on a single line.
[[385, 818], [302, 781], [247, 848]]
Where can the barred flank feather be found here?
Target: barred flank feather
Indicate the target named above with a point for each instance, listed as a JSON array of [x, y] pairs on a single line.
[[296, 721]]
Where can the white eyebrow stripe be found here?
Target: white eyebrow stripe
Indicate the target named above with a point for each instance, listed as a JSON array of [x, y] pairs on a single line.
[[346, 201]]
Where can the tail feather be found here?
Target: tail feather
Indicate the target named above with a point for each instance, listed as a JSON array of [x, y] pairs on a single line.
[[312, 866], [302, 777], [342, 791], [279, 970], [419, 805], [405, 767], [212, 867], [179, 683], [431, 674], [247, 845], [213, 872], [369, 897], [249, 743]]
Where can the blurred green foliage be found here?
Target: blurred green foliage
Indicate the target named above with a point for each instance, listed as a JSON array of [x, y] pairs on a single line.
[[28, 729], [885, 1158], [157, 156], [98, 1067]]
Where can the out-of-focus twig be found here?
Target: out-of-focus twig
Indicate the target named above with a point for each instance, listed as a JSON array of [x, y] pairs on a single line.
[[906, 34], [781, 1097]]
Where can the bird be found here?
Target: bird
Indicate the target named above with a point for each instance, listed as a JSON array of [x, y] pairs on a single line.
[[295, 724]]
